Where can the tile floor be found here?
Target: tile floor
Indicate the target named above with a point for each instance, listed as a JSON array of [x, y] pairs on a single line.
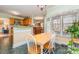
[[60, 49]]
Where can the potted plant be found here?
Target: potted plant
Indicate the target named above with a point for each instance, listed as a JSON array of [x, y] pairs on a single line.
[[73, 30]]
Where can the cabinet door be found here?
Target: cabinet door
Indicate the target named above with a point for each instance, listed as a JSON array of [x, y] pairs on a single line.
[[30, 21], [0, 22], [12, 21], [6, 44]]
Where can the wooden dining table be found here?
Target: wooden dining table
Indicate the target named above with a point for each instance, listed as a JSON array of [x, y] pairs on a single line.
[[42, 39], [76, 41]]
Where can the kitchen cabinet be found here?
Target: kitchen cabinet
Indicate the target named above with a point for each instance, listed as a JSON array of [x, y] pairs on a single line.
[[0, 22], [26, 22], [6, 43], [19, 36], [12, 21], [37, 30]]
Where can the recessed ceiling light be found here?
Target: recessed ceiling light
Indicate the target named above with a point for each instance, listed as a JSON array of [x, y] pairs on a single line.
[[15, 13], [38, 17]]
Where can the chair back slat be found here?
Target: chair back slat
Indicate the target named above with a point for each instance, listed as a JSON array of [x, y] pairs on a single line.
[[31, 42]]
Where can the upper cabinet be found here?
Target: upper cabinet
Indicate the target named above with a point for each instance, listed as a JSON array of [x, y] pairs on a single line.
[[26, 21], [12, 21], [0, 21], [22, 22]]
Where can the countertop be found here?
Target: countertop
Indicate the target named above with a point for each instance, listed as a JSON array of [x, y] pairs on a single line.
[[4, 35]]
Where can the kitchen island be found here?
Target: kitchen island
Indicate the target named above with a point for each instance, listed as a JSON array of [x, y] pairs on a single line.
[[19, 35]]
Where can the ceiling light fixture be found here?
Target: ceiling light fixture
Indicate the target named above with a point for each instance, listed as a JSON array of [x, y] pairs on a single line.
[[42, 7], [38, 17], [14, 12]]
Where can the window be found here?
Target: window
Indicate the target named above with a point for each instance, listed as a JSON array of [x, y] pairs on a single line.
[[67, 21], [56, 24]]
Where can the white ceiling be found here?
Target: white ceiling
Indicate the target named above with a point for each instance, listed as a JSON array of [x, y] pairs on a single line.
[[23, 10]]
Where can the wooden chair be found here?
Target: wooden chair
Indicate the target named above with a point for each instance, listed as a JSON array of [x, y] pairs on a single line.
[[51, 44], [32, 46]]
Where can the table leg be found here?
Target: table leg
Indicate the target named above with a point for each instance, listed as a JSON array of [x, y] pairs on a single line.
[[41, 49]]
